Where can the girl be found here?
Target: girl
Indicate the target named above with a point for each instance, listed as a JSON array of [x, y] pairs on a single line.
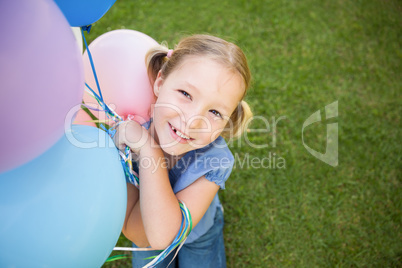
[[181, 155]]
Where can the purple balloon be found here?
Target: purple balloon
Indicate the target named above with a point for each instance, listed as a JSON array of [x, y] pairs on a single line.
[[41, 78]]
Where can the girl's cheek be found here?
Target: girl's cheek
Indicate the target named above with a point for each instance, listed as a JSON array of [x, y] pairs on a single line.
[[217, 129]]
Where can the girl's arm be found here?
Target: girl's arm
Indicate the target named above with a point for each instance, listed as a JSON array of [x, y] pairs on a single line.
[[160, 210], [197, 197], [155, 217]]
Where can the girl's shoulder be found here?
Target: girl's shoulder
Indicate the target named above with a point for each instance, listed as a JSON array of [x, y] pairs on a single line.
[[214, 161], [217, 150]]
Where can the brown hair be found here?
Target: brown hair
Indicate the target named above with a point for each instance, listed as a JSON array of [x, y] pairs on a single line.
[[215, 48]]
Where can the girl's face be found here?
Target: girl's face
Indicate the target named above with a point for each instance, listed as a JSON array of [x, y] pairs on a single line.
[[194, 104]]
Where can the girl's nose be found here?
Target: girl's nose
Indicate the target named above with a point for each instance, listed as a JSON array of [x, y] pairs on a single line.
[[197, 122]]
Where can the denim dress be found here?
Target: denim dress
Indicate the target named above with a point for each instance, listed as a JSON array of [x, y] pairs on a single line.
[[204, 246]]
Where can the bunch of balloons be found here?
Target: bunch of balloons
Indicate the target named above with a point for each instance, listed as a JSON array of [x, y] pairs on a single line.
[[62, 186]]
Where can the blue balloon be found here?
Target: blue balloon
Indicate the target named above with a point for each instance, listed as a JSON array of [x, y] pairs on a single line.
[[84, 12], [65, 208]]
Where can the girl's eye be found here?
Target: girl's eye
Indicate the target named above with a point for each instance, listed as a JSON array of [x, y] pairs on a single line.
[[185, 94], [215, 112]]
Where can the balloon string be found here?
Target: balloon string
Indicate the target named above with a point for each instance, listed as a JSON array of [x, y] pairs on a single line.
[[88, 28], [185, 229], [125, 156]]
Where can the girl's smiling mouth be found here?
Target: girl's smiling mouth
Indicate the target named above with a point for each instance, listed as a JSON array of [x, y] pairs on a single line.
[[178, 135]]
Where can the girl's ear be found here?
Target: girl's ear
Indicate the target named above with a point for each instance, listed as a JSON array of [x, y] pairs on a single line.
[[158, 83]]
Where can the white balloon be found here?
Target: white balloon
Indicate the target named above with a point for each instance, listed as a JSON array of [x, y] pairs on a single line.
[[78, 37]]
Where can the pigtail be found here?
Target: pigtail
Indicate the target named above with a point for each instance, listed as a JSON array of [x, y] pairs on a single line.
[[238, 121], [245, 118], [155, 59]]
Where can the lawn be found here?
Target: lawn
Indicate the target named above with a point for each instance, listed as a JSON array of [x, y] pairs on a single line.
[[283, 206]]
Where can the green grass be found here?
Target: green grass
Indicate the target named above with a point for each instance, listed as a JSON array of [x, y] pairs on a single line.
[[303, 56]]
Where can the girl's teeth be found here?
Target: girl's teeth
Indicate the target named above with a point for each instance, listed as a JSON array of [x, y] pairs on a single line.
[[181, 135]]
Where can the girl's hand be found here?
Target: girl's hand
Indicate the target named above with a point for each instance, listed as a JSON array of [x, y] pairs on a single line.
[[131, 134]]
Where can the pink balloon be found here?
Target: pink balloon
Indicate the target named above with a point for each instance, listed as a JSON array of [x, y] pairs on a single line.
[[119, 59], [41, 78]]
